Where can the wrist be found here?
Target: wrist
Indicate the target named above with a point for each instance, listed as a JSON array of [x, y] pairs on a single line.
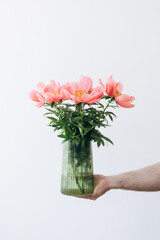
[[115, 182]]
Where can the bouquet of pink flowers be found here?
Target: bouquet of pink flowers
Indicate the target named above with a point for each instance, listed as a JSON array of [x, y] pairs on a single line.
[[74, 109], [79, 121]]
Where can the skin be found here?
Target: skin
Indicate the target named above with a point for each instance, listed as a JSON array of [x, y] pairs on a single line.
[[145, 179]]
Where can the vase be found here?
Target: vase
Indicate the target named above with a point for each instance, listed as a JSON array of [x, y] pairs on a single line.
[[77, 169]]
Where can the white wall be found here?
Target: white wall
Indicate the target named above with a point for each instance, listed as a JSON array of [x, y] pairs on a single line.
[[58, 39]]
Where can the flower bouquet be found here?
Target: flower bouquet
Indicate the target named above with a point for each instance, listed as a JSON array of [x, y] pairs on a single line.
[[75, 111]]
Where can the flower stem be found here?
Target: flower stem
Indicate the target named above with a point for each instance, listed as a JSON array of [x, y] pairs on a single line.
[[81, 188]]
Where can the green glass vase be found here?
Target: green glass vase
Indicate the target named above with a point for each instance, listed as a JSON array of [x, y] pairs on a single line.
[[77, 169]]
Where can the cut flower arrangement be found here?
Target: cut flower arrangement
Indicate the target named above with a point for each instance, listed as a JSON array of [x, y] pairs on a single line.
[[77, 110]]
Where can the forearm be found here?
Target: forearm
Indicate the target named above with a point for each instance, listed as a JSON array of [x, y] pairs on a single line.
[[145, 179]]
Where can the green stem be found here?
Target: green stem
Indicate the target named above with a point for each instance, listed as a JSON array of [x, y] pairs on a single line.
[[81, 188]]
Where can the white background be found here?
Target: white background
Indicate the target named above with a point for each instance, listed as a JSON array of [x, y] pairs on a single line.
[[60, 40]]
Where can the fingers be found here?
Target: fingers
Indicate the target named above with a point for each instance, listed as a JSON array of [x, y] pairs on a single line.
[[99, 188], [90, 197]]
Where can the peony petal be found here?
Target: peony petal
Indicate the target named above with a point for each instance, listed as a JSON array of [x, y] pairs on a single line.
[[76, 99], [111, 79], [41, 86], [33, 95], [66, 94], [73, 87], [119, 87], [62, 93], [40, 97], [101, 84], [39, 105], [132, 98], [95, 100], [52, 87], [110, 86], [125, 98], [48, 88], [125, 105], [57, 88], [85, 83], [50, 97], [53, 84], [86, 97], [66, 86], [57, 98], [97, 92]]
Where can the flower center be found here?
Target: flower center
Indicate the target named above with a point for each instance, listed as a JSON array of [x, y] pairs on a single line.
[[80, 93], [116, 93], [56, 93]]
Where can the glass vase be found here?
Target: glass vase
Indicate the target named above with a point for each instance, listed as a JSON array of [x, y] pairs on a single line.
[[77, 169]]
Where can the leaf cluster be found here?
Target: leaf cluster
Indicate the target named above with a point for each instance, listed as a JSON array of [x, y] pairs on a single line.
[[79, 123]]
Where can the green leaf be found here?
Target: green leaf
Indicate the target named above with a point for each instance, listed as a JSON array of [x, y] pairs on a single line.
[[77, 119], [61, 136], [102, 142], [107, 139], [53, 119], [110, 113], [106, 97], [110, 117]]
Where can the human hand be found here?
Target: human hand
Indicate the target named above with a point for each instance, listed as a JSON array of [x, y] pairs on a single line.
[[101, 186]]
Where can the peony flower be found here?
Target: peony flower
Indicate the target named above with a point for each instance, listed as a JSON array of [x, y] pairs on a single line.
[[114, 89], [38, 96], [82, 91], [53, 92], [47, 93]]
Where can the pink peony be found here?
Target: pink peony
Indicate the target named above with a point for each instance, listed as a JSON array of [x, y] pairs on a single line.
[[82, 91], [47, 93], [53, 92], [114, 89]]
